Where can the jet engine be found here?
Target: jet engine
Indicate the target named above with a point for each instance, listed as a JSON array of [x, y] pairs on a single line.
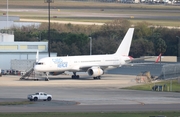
[[95, 71]]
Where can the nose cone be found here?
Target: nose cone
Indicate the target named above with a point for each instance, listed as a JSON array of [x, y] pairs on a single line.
[[39, 68], [36, 68]]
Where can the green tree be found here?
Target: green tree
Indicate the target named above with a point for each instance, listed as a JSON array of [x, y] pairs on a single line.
[[61, 48], [69, 39], [74, 44], [160, 46], [104, 46], [169, 36], [141, 47], [142, 30]]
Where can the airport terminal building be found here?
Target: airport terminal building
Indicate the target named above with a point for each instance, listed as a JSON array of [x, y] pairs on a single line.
[[20, 55]]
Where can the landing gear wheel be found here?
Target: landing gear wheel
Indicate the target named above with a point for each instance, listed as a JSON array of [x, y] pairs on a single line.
[[96, 78], [74, 76], [46, 79]]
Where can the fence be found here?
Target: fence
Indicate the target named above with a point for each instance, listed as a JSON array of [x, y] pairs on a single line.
[[22, 65], [170, 71]]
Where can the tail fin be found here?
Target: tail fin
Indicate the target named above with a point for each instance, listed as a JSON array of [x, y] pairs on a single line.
[[124, 47], [37, 56], [158, 58]]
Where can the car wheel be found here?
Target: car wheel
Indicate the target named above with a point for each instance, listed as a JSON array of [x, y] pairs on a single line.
[[35, 99], [49, 99]]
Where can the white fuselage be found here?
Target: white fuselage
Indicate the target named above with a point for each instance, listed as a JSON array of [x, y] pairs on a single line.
[[79, 63]]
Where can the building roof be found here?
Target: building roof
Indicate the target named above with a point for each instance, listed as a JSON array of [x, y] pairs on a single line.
[[23, 46]]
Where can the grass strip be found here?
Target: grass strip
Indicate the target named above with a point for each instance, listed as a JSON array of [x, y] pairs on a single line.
[[168, 85], [15, 103], [84, 114]]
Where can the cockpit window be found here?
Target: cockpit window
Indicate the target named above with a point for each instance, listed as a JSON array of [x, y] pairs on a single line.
[[39, 63]]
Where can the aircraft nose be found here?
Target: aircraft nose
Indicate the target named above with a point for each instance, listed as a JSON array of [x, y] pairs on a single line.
[[36, 68]]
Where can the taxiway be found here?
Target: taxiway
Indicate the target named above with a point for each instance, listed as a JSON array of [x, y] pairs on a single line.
[[86, 95]]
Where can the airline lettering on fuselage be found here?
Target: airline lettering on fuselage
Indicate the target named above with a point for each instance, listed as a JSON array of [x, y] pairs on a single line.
[[60, 62]]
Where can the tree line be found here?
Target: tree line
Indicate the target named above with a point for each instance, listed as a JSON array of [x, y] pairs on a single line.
[[68, 39]]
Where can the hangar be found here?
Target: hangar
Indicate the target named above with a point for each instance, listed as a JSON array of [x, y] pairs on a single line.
[[20, 55]]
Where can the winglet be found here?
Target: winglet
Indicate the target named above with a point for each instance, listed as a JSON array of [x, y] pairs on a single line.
[[158, 58], [124, 47]]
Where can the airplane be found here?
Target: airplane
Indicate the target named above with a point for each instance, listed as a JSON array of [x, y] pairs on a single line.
[[94, 65]]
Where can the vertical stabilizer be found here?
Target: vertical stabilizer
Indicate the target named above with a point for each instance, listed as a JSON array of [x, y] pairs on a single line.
[[37, 56], [158, 58], [124, 47]]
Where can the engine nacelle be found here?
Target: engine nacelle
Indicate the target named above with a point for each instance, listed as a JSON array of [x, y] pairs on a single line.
[[95, 71]]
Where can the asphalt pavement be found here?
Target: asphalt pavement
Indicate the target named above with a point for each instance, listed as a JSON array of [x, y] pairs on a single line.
[[86, 95], [154, 68]]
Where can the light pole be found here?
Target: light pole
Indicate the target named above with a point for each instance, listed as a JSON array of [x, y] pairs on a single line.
[[7, 15], [178, 48], [49, 40], [90, 46]]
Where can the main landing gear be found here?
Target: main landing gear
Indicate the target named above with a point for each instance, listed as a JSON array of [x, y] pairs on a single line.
[[97, 78], [47, 79], [74, 76]]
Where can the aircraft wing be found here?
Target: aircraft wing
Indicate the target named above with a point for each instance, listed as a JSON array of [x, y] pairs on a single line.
[[139, 59], [85, 68], [136, 60]]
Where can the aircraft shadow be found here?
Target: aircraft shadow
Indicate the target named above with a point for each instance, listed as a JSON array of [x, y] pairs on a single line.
[[64, 78]]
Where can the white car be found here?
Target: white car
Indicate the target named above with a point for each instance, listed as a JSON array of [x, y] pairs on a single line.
[[39, 96]]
